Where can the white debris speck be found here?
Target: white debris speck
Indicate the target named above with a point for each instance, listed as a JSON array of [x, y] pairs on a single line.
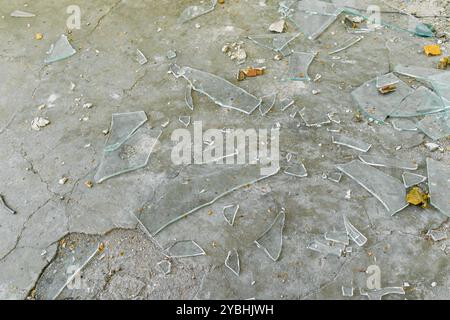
[[63, 180], [348, 195], [39, 123], [432, 146], [433, 284], [87, 106], [278, 27]]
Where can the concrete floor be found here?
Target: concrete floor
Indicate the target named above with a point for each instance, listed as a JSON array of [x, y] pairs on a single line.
[[57, 227]]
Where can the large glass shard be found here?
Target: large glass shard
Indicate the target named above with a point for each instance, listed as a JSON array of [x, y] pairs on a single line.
[[377, 294], [354, 233], [299, 63], [123, 126], [387, 80], [185, 249], [325, 249], [351, 143], [347, 44], [61, 50], [232, 262], [313, 17], [338, 237], [271, 241], [416, 72], [441, 85], [297, 169], [412, 179], [388, 162], [439, 184], [229, 213], [313, 118], [421, 102], [222, 92], [435, 126], [388, 190], [278, 43], [193, 12], [267, 103], [22, 14], [376, 105], [133, 154]]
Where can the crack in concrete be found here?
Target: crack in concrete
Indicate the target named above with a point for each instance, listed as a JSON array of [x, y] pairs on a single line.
[[100, 20]]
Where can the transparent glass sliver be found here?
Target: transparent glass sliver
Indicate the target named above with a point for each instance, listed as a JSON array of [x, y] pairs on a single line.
[[185, 249], [439, 184], [271, 241]]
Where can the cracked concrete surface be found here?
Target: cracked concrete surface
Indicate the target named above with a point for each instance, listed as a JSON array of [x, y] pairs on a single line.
[[59, 225]]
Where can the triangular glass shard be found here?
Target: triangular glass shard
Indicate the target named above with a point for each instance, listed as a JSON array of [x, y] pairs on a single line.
[[271, 241], [185, 249], [412, 179], [186, 120], [62, 49], [232, 262], [123, 126], [350, 143], [338, 237], [297, 169], [299, 63], [188, 97], [435, 126], [22, 14], [354, 234], [404, 125], [267, 103], [193, 12], [133, 154], [165, 266], [439, 184], [421, 102], [222, 92], [388, 190], [388, 162], [325, 249], [278, 43], [229, 213]]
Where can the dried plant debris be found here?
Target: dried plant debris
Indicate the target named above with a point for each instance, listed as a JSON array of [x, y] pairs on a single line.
[[222, 92], [388, 162], [353, 233], [350, 143], [378, 294], [388, 190], [417, 197], [229, 213], [193, 12], [439, 185], [5, 206], [185, 249], [165, 266], [61, 50], [38, 123], [232, 262], [271, 241], [412, 179]]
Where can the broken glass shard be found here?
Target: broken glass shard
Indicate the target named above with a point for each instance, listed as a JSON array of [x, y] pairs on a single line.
[[61, 50], [378, 106], [437, 235], [286, 103], [347, 44], [337, 236], [387, 80], [123, 126], [186, 120], [171, 54], [347, 291], [229, 213], [22, 14], [267, 103], [325, 249], [165, 267], [232, 262], [435, 126], [5, 205], [299, 63], [185, 249], [439, 184], [278, 43], [222, 92], [351, 143], [193, 12], [297, 169], [441, 85], [354, 233], [412, 179], [335, 176], [404, 125], [132, 155], [334, 118], [388, 162], [271, 241], [377, 294], [188, 97], [388, 190], [421, 102], [416, 72], [312, 118], [140, 57]]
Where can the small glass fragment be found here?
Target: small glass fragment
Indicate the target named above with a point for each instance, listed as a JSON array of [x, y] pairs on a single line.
[[377, 294], [222, 92], [123, 126], [22, 14], [417, 197], [297, 169], [387, 80], [165, 266], [351, 143], [347, 291], [404, 125], [437, 235], [286, 103], [347, 44], [388, 190], [61, 50], [278, 43], [412, 179], [337, 236], [271, 241], [267, 103], [314, 119], [229, 213], [388, 162], [299, 63], [354, 234], [232, 262], [335, 176], [171, 54], [325, 249], [193, 12], [188, 97], [439, 184], [5, 205], [140, 57], [185, 120], [185, 249]]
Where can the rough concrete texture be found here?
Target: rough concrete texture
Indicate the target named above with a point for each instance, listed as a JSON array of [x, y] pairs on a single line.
[[57, 227]]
